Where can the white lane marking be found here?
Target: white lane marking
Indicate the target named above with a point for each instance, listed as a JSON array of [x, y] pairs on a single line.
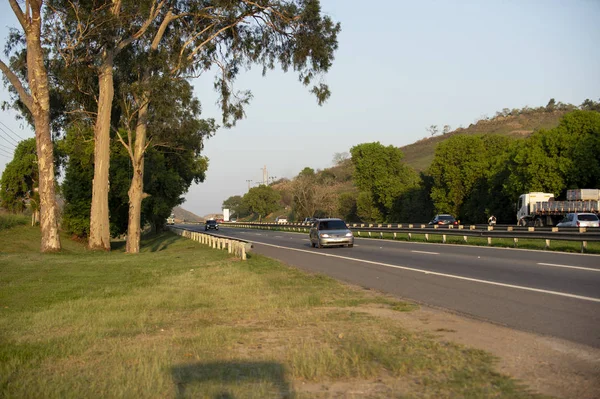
[[570, 267], [519, 287], [277, 236], [425, 252]]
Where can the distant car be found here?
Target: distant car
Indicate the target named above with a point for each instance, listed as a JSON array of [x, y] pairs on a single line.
[[170, 220], [443, 219], [309, 220], [280, 220], [330, 232], [580, 220], [233, 220], [220, 220], [211, 224]]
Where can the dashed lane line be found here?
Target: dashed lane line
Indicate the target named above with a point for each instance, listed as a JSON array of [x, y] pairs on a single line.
[[475, 280]]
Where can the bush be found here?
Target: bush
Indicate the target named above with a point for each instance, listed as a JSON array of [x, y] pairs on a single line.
[[7, 221]]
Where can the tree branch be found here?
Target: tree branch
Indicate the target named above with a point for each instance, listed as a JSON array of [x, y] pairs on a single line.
[[19, 13], [14, 80]]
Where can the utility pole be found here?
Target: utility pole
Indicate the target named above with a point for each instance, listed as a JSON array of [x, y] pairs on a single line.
[[265, 176], [248, 181]]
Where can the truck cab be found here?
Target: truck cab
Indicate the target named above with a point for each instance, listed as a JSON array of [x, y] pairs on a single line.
[[525, 207]]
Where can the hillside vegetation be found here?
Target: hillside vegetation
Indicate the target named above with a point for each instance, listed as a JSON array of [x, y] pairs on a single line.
[[419, 155], [471, 172]]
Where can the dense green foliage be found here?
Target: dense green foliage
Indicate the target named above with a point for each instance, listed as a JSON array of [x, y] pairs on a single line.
[[262, 200], [471, 176], [19, 182]]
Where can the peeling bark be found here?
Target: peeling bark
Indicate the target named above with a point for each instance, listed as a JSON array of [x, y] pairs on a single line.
[[38, 103], [99, 215]]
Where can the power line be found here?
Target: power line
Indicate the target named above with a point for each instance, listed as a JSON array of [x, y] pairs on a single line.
[[19, 138], [5, 135], [6, 148], [8, 155]]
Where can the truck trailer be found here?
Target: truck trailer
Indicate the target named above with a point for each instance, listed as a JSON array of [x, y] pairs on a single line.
[[541, 209]]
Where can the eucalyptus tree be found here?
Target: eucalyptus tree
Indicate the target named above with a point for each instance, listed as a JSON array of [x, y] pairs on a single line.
[[34, 95], [185, 38]]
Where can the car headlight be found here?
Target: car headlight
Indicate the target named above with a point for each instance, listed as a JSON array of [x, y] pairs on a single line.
[[349, 234], [324, 235]]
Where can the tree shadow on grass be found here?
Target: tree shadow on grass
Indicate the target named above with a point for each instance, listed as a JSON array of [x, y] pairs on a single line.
[[158, 242], [150, 243], [232, 374]]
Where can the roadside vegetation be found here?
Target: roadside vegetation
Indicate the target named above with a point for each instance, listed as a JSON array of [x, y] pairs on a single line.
[[8, 220], [470, 173], [182, 320]]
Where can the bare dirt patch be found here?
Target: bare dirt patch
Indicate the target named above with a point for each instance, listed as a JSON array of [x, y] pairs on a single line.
[[547, 365]]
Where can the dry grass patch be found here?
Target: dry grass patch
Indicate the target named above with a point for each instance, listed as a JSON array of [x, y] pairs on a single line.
[[182, 320]]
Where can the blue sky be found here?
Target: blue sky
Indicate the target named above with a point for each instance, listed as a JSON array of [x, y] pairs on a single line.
[[400, 67]]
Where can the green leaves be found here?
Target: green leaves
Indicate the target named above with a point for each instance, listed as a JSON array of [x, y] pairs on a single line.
[[262, 200], [20, 179], [379, 171]]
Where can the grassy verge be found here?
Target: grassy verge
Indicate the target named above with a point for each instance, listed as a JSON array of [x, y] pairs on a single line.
[[8, 220], [593, 247], [182, 320]]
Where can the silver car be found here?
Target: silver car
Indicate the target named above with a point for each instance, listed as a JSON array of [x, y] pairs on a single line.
[[330, 232], [580, 220]]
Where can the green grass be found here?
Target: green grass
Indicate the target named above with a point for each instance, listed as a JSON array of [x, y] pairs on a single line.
[[8, 220], [182, 320]]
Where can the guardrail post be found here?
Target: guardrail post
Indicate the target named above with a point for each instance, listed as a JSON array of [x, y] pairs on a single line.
[[509, 228], [359, 233], [465, 238], [489, 241], [426, 237], [547, 244], [369, 234], [583, 246], [490, 228], [381, 234], [394, 236], [444, 238], [409, 236], [516, 241]]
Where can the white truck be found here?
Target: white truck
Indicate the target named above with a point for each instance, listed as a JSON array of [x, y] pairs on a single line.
[[540, 209]]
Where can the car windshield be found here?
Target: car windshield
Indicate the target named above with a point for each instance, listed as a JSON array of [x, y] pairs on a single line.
[[445, 217], [211, 222], [588, 218], [332, 225]]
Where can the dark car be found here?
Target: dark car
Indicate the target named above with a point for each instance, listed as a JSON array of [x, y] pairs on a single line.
[[330, 232], [211, 224], [444, 219]]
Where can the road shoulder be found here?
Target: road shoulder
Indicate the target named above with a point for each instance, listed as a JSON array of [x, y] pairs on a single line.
[[547, 365]]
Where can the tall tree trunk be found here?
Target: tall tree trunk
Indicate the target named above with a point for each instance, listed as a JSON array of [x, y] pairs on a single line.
[[136, 189], [99, 216], [40, 110]]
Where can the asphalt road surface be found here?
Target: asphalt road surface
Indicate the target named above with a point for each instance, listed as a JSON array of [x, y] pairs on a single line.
[[550, 293]]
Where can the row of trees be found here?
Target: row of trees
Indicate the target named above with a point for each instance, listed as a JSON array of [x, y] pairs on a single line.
[[112, 76], [471, 176]]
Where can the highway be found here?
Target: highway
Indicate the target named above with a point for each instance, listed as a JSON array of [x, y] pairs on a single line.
[[549, 293]]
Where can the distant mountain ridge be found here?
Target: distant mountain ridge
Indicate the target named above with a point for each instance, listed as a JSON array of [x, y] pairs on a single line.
[[181, 215]]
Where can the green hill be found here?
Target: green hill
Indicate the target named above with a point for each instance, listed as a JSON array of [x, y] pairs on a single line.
[[522, 123]]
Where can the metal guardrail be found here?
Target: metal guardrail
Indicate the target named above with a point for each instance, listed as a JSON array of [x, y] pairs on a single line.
[[234, 246], [582, 234]]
